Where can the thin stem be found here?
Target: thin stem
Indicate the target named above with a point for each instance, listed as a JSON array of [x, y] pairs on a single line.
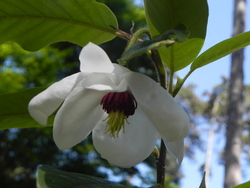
[[161, 164], [136, 36], [180, 83], [171, 83], [170, 89], [161, 160], [159, 68]]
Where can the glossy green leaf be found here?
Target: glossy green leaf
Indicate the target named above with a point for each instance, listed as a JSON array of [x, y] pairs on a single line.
[[48, 177], [14, 109], [222, 49], [244, 185], [165, 15], [35, 24]]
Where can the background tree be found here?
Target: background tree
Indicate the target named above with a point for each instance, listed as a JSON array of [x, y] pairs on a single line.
[[209, 114], [233, 147]]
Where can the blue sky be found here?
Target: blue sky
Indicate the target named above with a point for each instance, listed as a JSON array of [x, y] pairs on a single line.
[[220, 24]]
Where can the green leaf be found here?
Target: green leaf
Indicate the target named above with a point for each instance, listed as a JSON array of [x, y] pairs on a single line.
[[244, 185], [48, 177], [35, 24], [14, 109], [165, 15], [222, 49]]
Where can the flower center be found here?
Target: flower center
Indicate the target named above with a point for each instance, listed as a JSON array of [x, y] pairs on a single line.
[[119, 107]]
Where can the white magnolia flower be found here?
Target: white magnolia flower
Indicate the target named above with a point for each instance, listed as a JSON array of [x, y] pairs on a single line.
[[124, 110]]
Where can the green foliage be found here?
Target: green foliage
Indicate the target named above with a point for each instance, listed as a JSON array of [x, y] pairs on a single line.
[[222, 49], [216, 52], [48, 177], [244, 185], [21, 69], [164, 15], [14, 109], [166, 39], [11, 81], [36, 24]]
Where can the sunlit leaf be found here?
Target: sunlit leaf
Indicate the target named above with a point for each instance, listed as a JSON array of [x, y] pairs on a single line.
[[48, 177], [244, 185], [222, 49], [165, 15], [35, 24], [14, 109]]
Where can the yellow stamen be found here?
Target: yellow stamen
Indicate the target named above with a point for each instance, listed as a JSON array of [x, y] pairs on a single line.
[[114, 123]]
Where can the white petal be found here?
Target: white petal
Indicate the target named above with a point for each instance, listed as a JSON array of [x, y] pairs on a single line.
[[176, 149], [46, 102], [94, 59], [120, 69], [131, 147], [77, 117], [105, 82], [168, 117]]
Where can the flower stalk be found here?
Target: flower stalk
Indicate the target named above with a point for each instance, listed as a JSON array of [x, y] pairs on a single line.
[[136, 35], [161, 164], [161, 160]]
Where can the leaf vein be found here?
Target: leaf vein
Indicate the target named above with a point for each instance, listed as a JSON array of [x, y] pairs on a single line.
[[59, 20], [59, 7]]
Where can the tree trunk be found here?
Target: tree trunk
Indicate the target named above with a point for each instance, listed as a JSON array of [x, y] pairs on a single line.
[[232, 154]]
